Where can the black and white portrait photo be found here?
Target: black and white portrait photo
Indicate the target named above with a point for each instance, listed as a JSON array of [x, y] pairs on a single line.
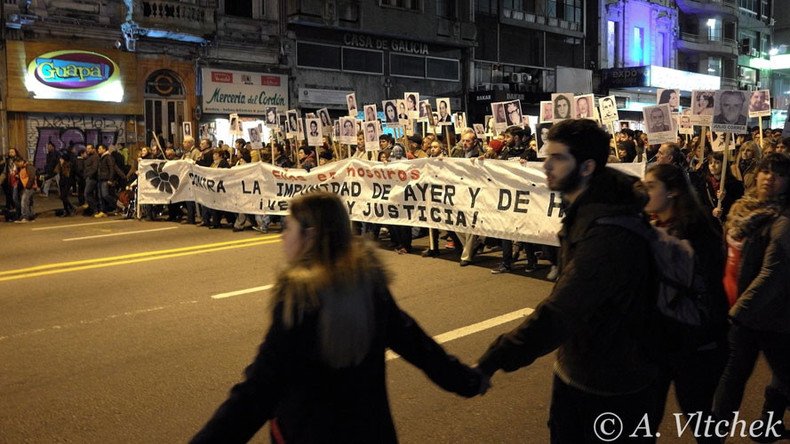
[[670, 96], [584, 107], [412, 100], [563, 106], [271, 117], [443, 107], [760, 103], [390, 108], [351, 104], [731, 111], [608, 106], [658, 120], [370, 113], [293, 121], [314, 135]]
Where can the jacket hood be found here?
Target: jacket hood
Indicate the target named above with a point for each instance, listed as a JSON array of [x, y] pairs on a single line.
[[305, 284], [610, 193]]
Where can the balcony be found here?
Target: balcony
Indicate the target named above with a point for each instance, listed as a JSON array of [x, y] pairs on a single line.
[[709, 44], [176, 17], [724, 8]]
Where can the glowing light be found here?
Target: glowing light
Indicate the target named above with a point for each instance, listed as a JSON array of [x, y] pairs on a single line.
[[711, 23], [773, 52]]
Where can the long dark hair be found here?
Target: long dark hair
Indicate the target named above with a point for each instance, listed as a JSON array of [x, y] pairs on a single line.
[[687, 211], [335, 275]]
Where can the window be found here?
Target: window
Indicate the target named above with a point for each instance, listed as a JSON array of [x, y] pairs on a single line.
[[612, 44], [442, 69], [407, 66], [661, 45], [363, 60], [313, 55], [714, 30], [413, 5], [714, 66], [447, 9], [239, 8], [639, 46], [486, 7]]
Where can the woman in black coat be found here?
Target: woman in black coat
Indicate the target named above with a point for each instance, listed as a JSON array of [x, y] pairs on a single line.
[[319, 375]]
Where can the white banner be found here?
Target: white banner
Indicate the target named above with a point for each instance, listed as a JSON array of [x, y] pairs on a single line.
[[242, 92], [495, 198]]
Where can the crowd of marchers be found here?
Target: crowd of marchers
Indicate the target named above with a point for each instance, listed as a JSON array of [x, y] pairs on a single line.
[[731, 206], [319, 373]]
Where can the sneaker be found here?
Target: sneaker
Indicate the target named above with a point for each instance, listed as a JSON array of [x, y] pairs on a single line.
[[21, 221], [502, 268], [530, 267], [100, 214], [553, 272], [464, 263]]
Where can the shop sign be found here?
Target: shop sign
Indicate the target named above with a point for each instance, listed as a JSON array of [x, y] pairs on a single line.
[[394, 45], [625, 77], [242, 92], [74, 75]]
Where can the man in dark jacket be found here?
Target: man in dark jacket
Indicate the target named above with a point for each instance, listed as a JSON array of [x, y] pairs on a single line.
[[597, 313], [90, 169], [106, 174], [49, 169]]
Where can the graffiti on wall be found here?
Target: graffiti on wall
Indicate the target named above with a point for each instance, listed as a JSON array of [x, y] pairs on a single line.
[[70, 130]]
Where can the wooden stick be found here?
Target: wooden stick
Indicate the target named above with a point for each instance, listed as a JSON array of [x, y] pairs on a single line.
[[760, 123]]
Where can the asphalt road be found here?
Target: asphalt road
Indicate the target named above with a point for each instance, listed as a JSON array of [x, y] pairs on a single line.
[[124, 331]]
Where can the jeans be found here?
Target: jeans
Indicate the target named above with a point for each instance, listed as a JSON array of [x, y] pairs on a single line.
[[26, 201], [573, 414], [745, 345], [65, 192], [90, 195], [107, 199]]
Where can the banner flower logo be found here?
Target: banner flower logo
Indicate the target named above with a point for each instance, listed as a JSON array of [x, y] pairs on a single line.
[[161, 180]]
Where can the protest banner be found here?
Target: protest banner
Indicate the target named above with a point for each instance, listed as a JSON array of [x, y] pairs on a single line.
[[496, 198]]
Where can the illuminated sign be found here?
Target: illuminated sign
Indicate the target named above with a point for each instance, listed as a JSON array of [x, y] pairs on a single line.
[[244, 92], [74, 75]]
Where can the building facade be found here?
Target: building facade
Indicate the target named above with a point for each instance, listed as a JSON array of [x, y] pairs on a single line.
[[99, 71], [379, 49]]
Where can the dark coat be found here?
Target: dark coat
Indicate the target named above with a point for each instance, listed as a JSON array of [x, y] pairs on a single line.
[[313, 402], [107, 169], [763, 281], [91, 166], [598, 310]]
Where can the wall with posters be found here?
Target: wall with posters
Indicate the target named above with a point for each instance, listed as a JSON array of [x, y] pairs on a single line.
[[63, 130]]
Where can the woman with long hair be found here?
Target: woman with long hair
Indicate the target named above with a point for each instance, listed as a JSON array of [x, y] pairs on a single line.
[[745, 166], [757, 284], [695, 370], [319, 375]]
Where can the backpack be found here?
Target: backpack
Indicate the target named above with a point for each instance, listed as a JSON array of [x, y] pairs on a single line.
[[681, 313]]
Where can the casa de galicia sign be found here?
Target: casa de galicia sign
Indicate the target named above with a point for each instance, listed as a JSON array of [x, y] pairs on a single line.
[[394, 45]]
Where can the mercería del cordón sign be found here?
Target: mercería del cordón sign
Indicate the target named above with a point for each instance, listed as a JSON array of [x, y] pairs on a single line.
[[394, 45], [73, 70]]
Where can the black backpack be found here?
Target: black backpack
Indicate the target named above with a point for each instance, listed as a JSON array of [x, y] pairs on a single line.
[[682, 311]]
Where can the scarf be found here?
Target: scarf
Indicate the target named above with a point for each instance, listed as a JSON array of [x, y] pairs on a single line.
[[749, 214]]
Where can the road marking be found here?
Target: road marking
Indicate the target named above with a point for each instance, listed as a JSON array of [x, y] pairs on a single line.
[[145, 258], [472, 329], [136, 255], [240, 292], [118, 234], [80, 225]]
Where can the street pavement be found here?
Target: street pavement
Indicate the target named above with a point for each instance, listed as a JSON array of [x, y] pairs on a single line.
[[126, 331]]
